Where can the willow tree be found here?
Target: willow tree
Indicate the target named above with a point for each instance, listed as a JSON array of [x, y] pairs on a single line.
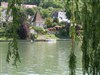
[[13, 54], [72, 58], [91, 37], [87, 12]]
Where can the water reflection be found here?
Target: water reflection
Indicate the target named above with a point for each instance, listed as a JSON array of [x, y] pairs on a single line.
[[40, 58]]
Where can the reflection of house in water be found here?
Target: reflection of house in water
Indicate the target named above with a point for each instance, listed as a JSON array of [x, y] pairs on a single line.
[[38, 21]]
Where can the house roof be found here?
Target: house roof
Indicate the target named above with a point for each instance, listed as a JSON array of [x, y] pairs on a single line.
[[37, 17]]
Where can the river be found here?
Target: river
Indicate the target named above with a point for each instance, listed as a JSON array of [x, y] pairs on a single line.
[[40, 58]]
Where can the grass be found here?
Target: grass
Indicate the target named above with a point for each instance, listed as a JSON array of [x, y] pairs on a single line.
[[4, 38]]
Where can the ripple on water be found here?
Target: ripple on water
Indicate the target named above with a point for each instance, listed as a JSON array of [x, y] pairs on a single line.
[[4, 74], [33, 74]]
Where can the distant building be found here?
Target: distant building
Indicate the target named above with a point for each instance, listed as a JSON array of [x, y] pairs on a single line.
[[4, 4], [5, 17], [61, 15], [29, 6], [38, 21]]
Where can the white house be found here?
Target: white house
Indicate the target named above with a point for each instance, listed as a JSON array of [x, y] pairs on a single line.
[[61, 15]]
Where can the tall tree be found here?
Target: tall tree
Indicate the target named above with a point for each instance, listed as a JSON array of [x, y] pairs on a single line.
[[87, 13]]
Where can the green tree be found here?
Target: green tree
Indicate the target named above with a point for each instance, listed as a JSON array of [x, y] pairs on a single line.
[[39, 30], [48, 22], [23, 16], [29, 11], [51, 4], [13, 45], [87, 14], [56, 20], [45, 13]]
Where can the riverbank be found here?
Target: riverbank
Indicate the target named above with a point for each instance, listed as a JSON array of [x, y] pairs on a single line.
[[36, 40], [40, 38]]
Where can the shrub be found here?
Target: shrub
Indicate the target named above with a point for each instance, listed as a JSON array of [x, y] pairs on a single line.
[[38, 29], [63, 32], [48, 22], [30, 11]]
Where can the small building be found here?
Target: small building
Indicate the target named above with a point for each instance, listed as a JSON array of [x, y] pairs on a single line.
[[29, 6], [6, 17], [38, 21], [61, 15], [4, 4]]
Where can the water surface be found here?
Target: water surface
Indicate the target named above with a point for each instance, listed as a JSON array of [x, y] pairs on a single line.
[[40, 58]]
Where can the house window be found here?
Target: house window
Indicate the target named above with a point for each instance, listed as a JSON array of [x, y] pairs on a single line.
[[60, 17]]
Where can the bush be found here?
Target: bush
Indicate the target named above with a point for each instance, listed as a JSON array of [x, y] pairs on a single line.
[[56, 20], [38, 29], [23, 16], [62, 24], [48, 22], [30, 11], [45, 13], [51, 4], [63, 32]]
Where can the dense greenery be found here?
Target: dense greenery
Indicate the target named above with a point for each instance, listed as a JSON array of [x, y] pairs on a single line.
[[48, 22], [30, 11], [87, 14], [91, 39], [51, 4]]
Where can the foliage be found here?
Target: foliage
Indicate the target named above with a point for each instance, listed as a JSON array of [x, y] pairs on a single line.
[[29, 11], [63, 32], [62, 24], [38, 29], [8, 30], [51, 4], [72, 63], [48, 22], [45, 13], [72, 57], [56, 20], [13, 54], [36, 2], [22, 16], [54, 24], [87, 14], [91, 37]]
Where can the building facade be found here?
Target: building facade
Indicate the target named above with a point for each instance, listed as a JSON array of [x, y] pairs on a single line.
[[38, 21]]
